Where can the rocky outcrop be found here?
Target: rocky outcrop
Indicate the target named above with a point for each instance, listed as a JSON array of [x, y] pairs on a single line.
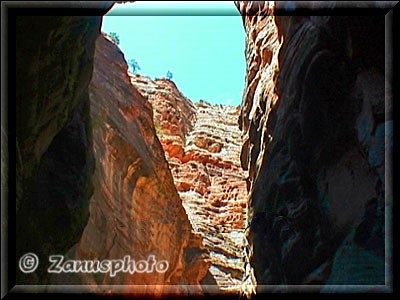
[[54, 157], [135, 209], [315, 129], [202, 144]]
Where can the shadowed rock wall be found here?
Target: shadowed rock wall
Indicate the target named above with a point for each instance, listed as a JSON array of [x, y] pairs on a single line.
[[314, 121], [315, 125], [54, 60]]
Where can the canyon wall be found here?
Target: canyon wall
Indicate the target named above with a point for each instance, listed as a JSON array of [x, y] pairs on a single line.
[[135, 209], [54, 157], [315, 126], [202, 144]]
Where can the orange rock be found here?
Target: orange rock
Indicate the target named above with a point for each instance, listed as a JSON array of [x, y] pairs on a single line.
[[135, 209], [202, 144]]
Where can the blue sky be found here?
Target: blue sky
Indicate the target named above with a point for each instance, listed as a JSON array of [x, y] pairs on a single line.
[[204, 52]]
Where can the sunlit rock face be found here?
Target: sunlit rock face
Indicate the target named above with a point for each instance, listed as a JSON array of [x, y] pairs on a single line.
[[202, 144], [135, 209], [314, 124], [54, 156]]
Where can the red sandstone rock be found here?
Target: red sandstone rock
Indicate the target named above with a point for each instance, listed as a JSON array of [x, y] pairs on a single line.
[[313, 155], [202, 145], [135, 209]]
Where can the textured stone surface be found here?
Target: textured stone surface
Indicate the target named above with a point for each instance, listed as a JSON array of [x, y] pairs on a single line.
[[202, 144], [316, 129], [135, 209], [54, 157], [313, 116]]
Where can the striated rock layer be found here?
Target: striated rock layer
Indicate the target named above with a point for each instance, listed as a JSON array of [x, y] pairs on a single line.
[[135, 209], [314, 122], [202, 144]]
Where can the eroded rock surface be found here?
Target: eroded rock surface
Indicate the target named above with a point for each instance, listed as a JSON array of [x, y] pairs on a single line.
[[202, 144], [54, 156], [314, 121], [135, 209]]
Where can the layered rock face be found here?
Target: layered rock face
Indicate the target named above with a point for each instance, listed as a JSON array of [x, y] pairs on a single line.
[[135, 209], [314, 121], [202, 144], [54, 157], [316, 129]]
